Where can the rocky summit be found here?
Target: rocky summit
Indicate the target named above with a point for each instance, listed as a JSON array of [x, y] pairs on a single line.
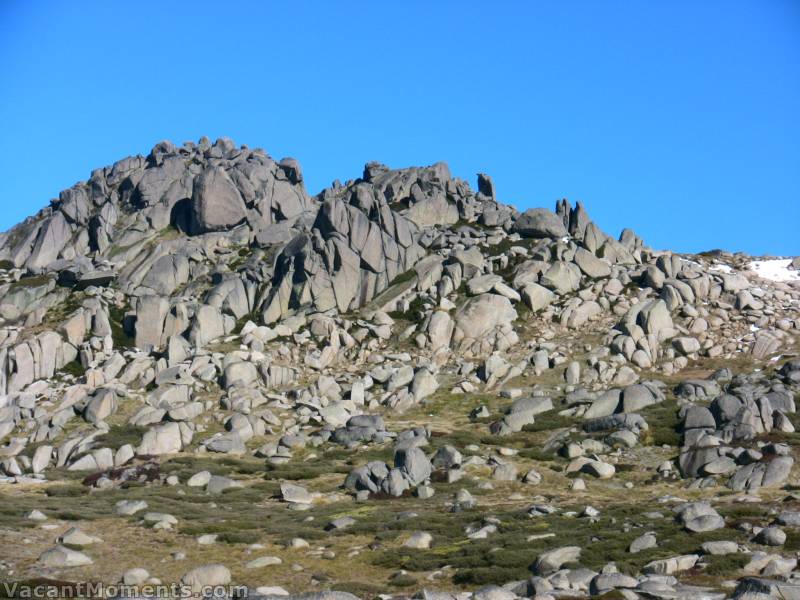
[[397, 387]]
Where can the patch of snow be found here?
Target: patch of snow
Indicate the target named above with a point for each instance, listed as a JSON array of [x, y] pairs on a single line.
[[775, 270], [721, 267]]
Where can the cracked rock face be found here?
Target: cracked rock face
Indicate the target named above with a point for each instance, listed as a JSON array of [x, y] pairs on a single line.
[[398, 384]]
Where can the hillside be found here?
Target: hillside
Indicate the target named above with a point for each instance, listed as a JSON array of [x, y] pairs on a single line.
[[399, 386]]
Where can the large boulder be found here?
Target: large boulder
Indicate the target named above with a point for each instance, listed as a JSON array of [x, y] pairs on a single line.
[[436, 210], [101, 406], [481, 314], [216, 203], [413, 464], [151, 312], [540, 223], [652, 316], [163, 439], [207, 576], [593, 267], [537, 297], [553, 560], [52, 238], [561, 277], [699, 517], [440, 329], [241, 373], [483, 324], [655, 318], [61, 556], [210, 324], [166, 274], [636, 397]]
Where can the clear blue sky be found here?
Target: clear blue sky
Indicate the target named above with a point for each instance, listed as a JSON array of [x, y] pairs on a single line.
[[680, 119]]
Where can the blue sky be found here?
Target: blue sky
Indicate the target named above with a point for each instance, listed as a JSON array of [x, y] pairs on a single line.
[[678, 119]]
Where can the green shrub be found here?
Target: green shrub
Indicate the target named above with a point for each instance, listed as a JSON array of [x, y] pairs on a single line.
[[67, 490], [120, 337], [119, 435], [74, 368]]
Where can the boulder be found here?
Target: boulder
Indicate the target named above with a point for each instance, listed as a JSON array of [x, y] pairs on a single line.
[[419, 540], [136, 576], [75, 537], [670, 566], [537, 297], [60, 557], [643, 542], [686, 345], [101, 406], [699, 517], [482, 318], [593, 267], [151, 311], [295, 494], [636, 397], [126, 508], [599, 469], [413, 464], [562, 277], [771, 536], [218, 484], [163, 439], [553, 560], [206, 576], [216, 203], [166, 274], [240, 373], [440, 330], [210, 324], [447, 457], [540, 223]]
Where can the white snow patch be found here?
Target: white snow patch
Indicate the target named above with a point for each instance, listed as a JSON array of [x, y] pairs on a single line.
[[776, 269], [721, 267]]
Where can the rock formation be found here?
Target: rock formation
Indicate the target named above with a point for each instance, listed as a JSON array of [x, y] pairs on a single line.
[[197, 350]]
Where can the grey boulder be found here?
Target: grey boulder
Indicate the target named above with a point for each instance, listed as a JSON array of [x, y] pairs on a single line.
[[553, 560], [61, 556], [540, 223], [216, 203]]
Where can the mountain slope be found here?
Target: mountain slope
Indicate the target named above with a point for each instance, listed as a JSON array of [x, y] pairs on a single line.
[[193, 322]]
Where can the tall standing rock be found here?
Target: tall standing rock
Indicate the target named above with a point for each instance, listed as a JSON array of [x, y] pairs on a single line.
[[486, 186], [151, 311]]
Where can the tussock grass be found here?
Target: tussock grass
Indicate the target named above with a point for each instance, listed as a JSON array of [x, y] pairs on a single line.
[[119, 435]]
